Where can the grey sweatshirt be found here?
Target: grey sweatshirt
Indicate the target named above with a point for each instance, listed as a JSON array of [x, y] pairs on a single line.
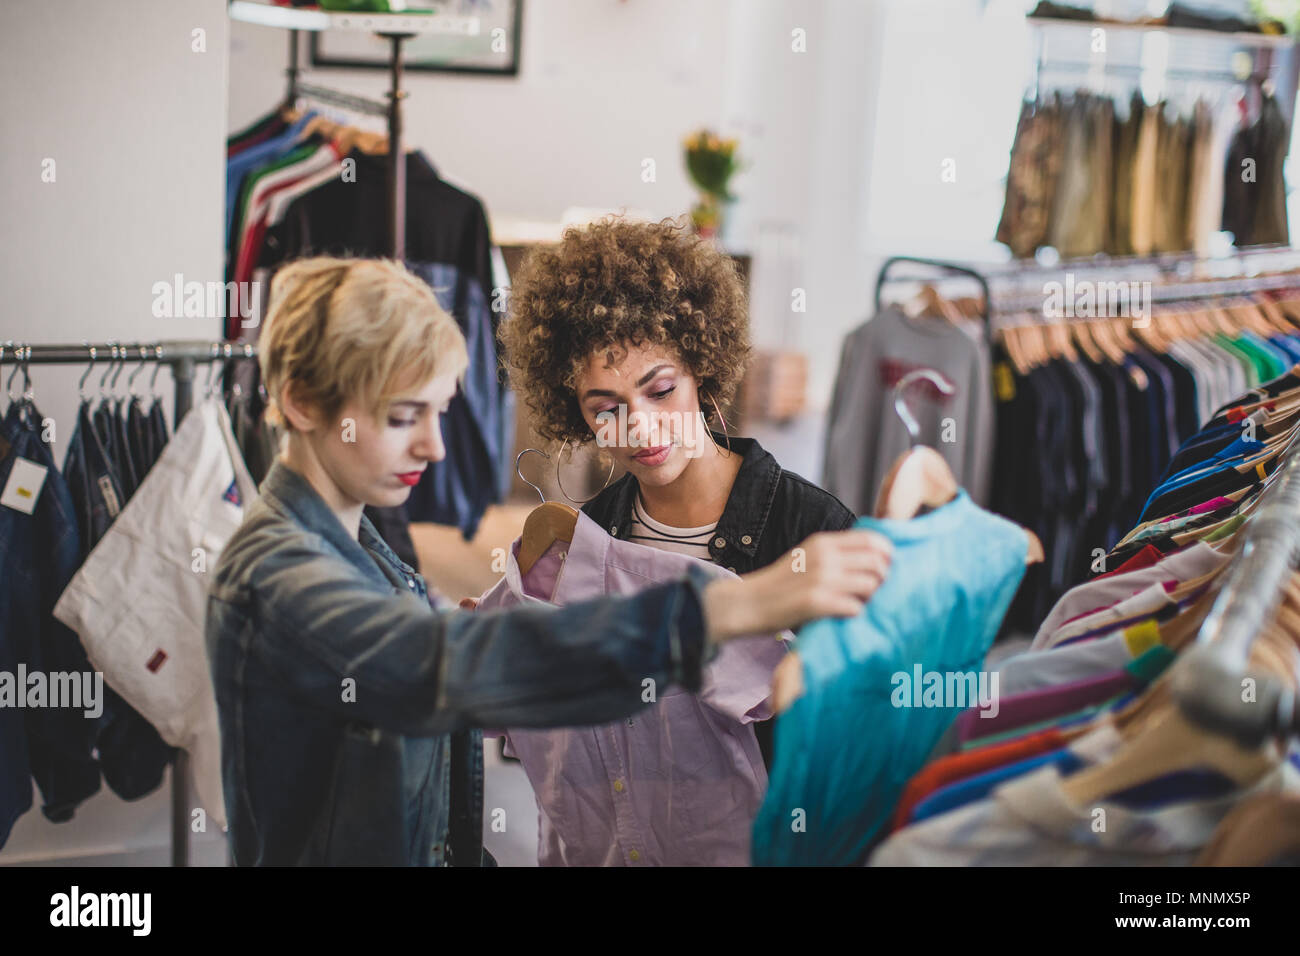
[[864, 435]]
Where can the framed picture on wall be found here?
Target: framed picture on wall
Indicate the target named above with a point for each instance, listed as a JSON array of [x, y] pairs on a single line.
[[492, 50]]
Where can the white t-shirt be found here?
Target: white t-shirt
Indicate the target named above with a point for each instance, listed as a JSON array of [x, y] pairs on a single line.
[[692, 541]]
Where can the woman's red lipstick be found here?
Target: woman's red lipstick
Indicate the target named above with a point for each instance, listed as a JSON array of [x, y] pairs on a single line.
[[411, 478], [653, 456]]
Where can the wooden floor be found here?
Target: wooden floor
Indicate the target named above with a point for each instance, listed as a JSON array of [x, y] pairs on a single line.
[[459, 568]]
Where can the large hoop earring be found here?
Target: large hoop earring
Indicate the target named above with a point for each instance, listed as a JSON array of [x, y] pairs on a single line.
[[579, 501], [725, 436]]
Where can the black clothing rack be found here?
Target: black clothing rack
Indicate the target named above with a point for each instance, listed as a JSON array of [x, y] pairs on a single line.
[[952, 268], [182, 357], [392, 110]]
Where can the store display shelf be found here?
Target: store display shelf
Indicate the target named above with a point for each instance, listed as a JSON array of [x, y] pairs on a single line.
[[1242, 39], [387, 24]]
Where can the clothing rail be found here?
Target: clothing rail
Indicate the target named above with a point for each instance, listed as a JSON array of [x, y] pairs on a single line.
[[1136, 69], [1170, 261], [182, 356], [1171, 291], [952, 268], [392, 110], [348, 101], [1167, 284], [1210, 681]]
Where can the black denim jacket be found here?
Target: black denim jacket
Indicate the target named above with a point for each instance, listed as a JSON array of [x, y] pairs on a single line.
[[345, 701], [769, 511]]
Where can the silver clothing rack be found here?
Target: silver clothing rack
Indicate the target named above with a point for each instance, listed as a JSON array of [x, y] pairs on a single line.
[[349, 101], [1211, 679], [1178, 291], [182, 356], [1167, 272]]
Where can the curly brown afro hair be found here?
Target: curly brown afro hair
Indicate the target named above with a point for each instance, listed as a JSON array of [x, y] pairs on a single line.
[[619, 283]]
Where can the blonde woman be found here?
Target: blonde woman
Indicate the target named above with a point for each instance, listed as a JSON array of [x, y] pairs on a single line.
[[347, 703]]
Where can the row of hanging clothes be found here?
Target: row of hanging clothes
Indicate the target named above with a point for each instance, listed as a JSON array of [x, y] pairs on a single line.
[[907, 742], [110, 555], [116, 442], [1091, 411], [1091, 173], [1047, 415], [1084, 753], [304, 181]]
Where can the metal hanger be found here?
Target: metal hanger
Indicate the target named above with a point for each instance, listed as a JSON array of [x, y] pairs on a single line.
[[22, 354], [130, 382], [153, 379], [900, 400], [103, 381], [549, 522], [81, 385], [536, 451]]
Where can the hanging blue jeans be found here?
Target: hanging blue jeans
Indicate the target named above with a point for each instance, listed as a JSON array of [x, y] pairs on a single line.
[[39, 553]]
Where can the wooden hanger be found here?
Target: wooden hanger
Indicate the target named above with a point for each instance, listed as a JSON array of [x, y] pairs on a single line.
[[1083, 336], [1290, 307], [549, 522], [971, 307], [1179, 631], [545, 525], [1250, 316], [1151, 336], [1169, 743], [1110, 347], [920, 478], [1011, 342], [1223, 321], [930, 302], [1275, 316], [1035, 343], [344, 136], [1058, 336], [1188, 323]]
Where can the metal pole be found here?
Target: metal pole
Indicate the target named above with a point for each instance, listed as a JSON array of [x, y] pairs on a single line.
[[292, 94], [396, 155], [183, 376]]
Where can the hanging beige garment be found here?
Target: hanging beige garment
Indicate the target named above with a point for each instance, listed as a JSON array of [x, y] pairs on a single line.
[[1144, 182]]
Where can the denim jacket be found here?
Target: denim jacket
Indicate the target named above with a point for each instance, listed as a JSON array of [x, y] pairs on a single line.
[[345, 700]]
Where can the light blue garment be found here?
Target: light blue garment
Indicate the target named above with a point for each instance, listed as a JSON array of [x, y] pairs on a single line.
[[844, 751]]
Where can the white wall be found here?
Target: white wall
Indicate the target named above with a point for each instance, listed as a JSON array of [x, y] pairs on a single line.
[[602, 86], [839, 139], [134, 119]]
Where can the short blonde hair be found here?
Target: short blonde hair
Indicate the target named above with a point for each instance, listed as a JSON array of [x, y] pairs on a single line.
[[345, 329]]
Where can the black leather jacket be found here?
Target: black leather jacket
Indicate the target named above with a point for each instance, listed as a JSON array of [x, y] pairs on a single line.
[[769, 511]]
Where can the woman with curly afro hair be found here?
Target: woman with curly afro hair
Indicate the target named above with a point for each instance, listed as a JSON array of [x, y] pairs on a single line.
[[635, 336]]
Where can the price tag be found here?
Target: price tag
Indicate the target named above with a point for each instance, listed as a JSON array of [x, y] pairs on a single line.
[[24, 486]]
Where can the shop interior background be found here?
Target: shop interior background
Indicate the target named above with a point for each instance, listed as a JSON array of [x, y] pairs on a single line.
[[845, 139]]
